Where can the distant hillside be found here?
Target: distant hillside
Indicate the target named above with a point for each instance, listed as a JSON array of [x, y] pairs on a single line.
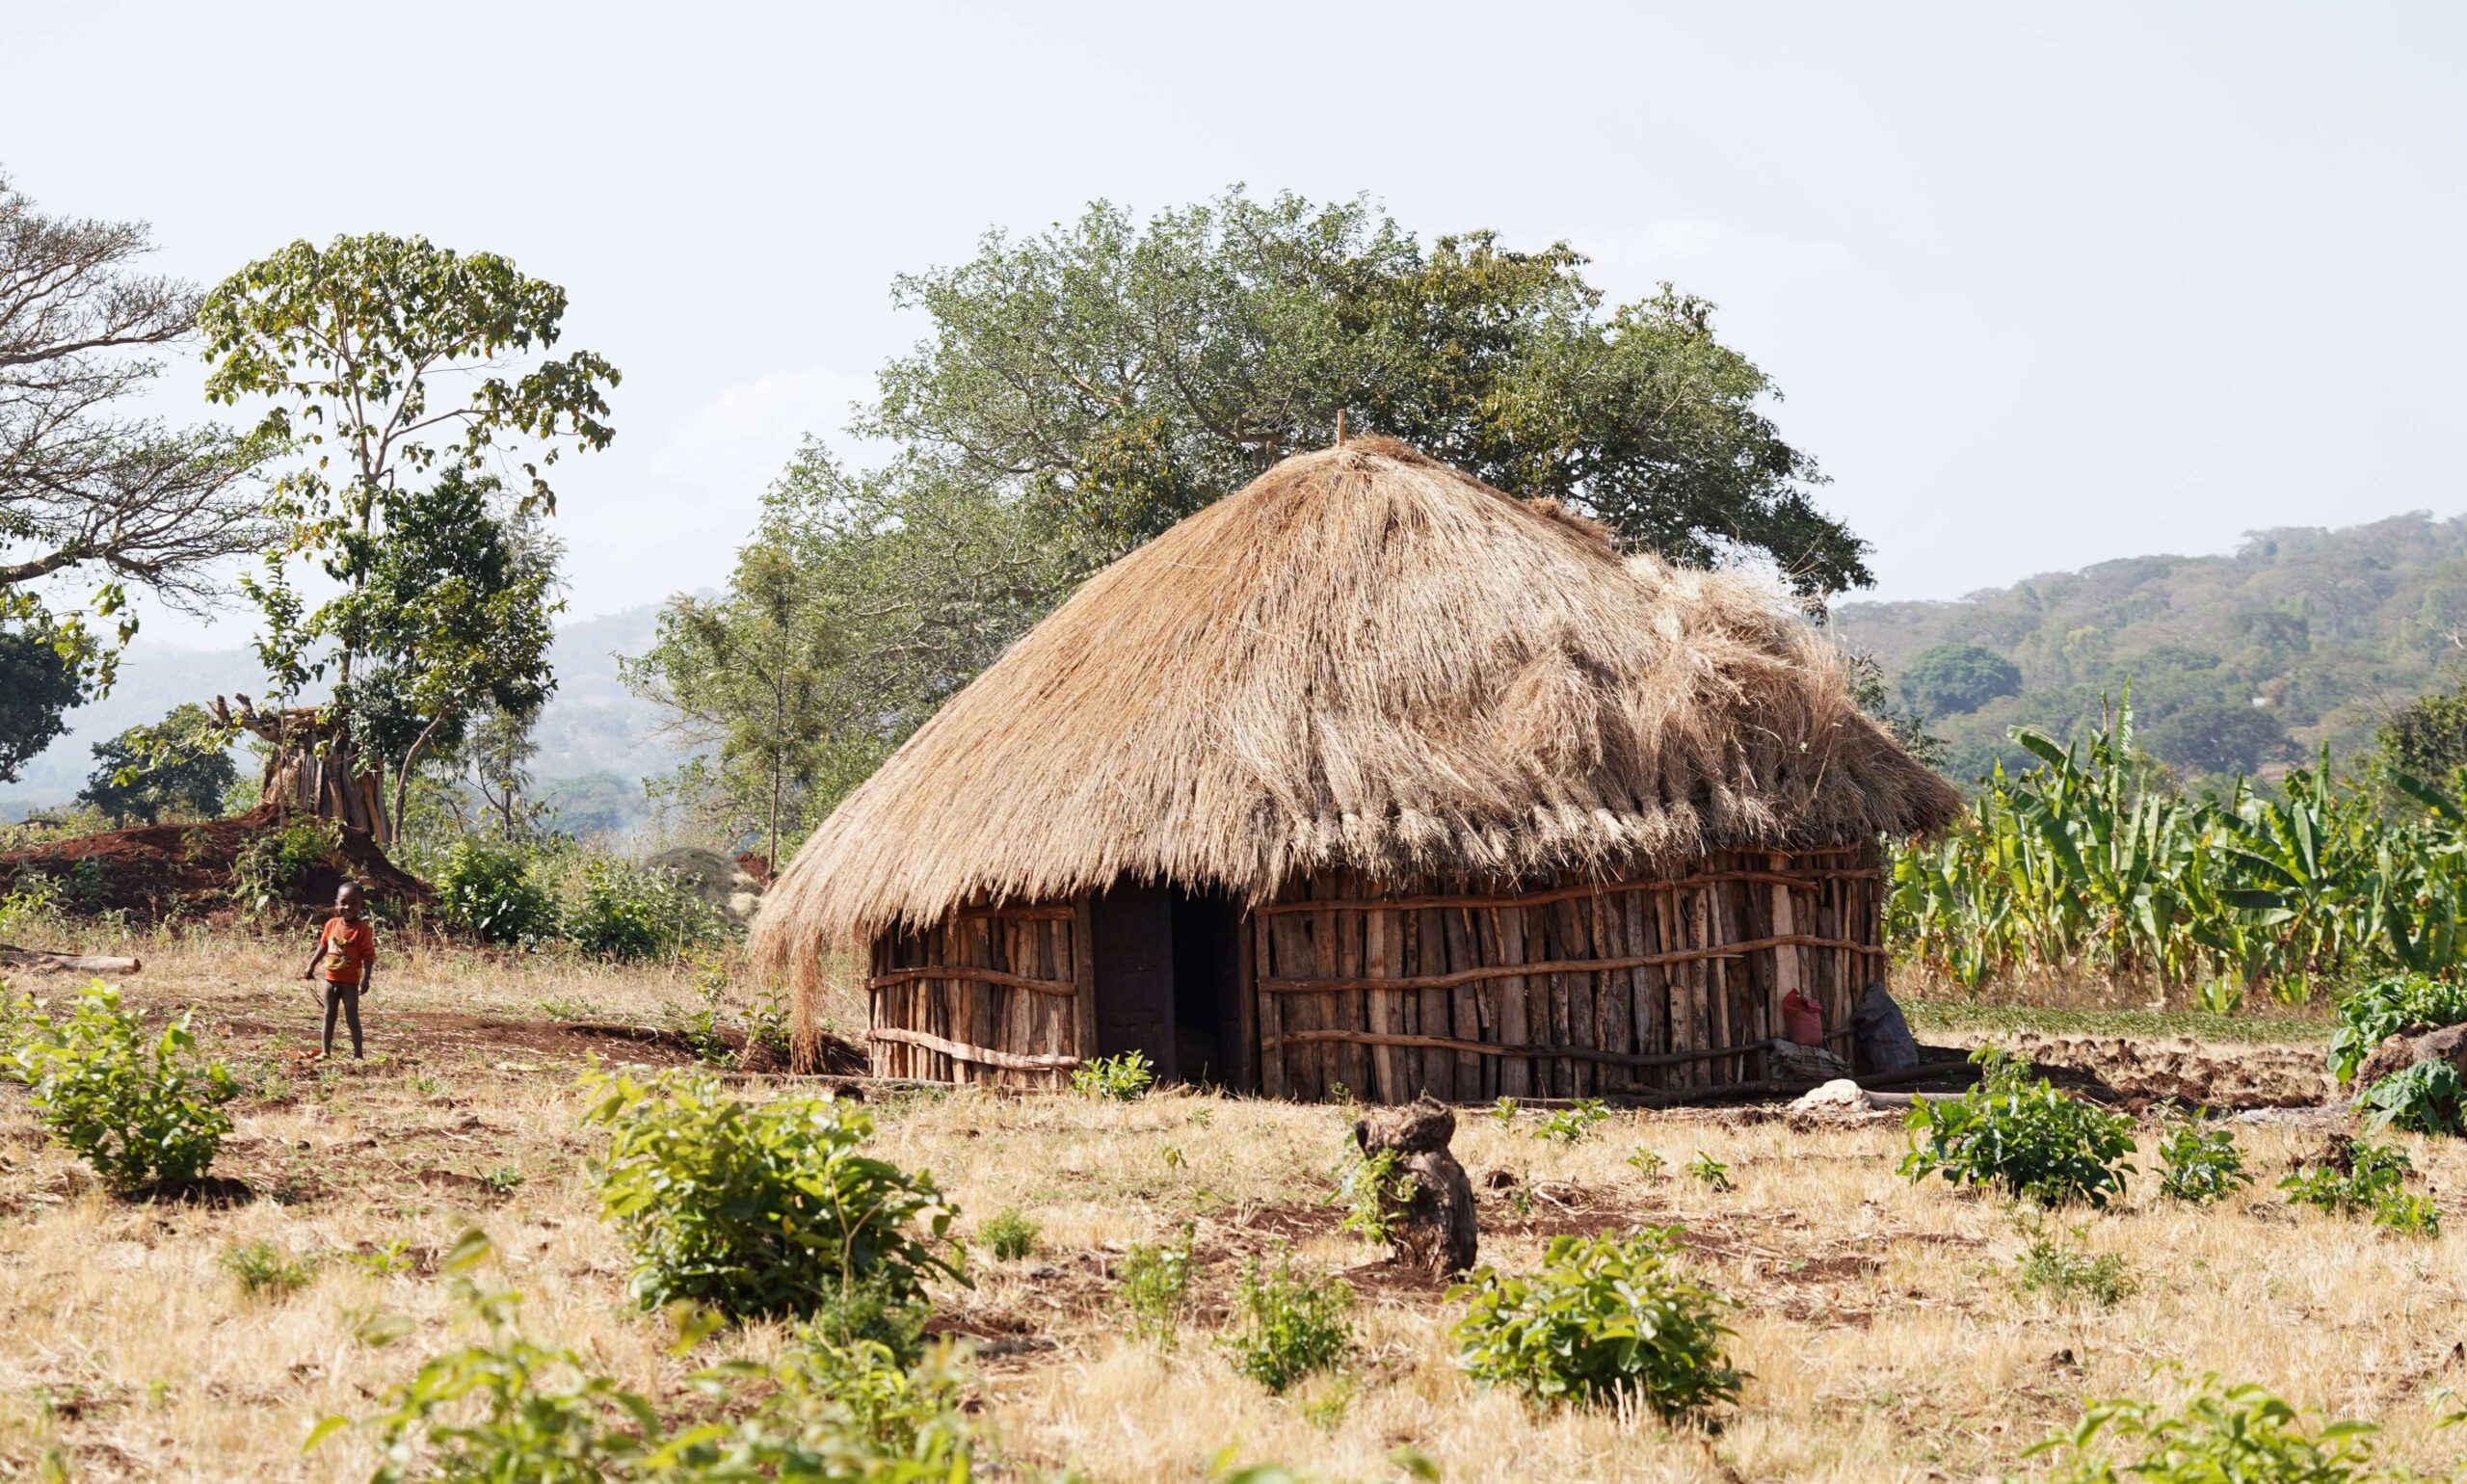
[[597, 742], [2302, 636]]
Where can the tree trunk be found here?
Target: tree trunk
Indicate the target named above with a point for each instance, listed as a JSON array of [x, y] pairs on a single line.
[[313, 765], [1433, 1227]]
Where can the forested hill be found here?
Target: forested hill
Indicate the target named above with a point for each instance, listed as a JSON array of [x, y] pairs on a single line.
[[2238, 663]]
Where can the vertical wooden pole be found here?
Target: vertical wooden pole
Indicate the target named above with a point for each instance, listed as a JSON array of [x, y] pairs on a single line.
[[1384, 1007], [1084, 979], [1516, 1073], [1248, 937]]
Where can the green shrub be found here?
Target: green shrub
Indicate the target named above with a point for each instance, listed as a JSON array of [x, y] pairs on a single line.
[[2063, 1268], [1122, 1079], [764, 1208], [2019, 1132], [1604, 1318], [488, 891], [1153, 1284], [872, 1313], [142, 1114], [2424, 1098], [1009, 1236], [265, 1271], [2384, 1008], [1288, 1323], [1648, 1162], [630, 914], [2240, 1435], [2200, 1165], [274, 863], [1373, 1190], [1573, 1123], [2357, 1177]]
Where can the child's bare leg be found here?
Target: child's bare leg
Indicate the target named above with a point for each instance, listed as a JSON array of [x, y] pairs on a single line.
[[333, 1003], [351, 1012]]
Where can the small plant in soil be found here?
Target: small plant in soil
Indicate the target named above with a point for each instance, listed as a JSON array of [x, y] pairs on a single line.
[[2355, 1178], [1604, 1319], [1153, 1284], [1288, 1323], [1373, 1191], [2198, 1164], [2220, 1434], [1648, 1162], [2059, 1265], [265, 1271], [142, 1113], [1122, 1079], [1504, 1111], [1708, 1172], [2019, 1133], [567, 1009], [1573, 1124], [1008, 1237]]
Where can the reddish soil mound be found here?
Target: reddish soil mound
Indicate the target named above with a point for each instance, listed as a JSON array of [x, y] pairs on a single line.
[[754, 865], [157, 870]]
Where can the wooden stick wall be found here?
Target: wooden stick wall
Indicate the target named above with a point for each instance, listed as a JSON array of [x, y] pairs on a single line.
[[1577, 989], [989, 995]]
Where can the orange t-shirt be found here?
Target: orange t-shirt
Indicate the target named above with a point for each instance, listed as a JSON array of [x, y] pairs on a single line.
[[348, 946]]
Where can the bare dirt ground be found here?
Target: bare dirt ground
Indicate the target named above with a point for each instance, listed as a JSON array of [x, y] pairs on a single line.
[[1885, 1335]]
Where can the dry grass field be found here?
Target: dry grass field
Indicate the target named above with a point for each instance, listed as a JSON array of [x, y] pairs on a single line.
[[1885, 1335]]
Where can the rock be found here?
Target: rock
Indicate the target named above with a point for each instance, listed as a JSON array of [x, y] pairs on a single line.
[[1839, 1096], [722, 885], [2402, 1051], [1884, 1038], [1434, 1228]]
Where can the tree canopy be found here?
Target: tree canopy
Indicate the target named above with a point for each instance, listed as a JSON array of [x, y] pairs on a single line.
[[179, 764], [1122, 375], [1955, 679], [38, 686]]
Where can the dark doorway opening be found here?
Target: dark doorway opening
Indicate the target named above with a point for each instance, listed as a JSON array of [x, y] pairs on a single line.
[[1207, 937], [1168, 977]]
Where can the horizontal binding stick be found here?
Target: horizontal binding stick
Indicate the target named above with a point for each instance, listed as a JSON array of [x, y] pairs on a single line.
[[1488, 1048], [1565, 893], [1736, 950], [981, 975], [1018, 914], [957, 1051]]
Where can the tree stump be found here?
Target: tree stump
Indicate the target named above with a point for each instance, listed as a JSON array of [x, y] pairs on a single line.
[[313, 765], [1433, 1229]]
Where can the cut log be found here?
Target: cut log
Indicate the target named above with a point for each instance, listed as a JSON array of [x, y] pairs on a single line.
[[1433, 1227], [44, 961]]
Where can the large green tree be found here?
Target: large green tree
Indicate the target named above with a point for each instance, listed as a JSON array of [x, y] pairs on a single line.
[[395, 368], [857, 607], [180, 764], [93, 496], [1122, 376]]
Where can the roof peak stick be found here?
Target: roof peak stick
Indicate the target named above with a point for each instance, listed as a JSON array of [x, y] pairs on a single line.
[[1340, 427]]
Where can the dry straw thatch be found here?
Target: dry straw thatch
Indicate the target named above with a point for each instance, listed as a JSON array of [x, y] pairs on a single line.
[[1364, 660]]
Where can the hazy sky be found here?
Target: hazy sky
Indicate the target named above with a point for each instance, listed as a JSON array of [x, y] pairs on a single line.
[[2041, 287]]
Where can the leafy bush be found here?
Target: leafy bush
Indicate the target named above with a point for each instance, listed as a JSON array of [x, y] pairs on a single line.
[[1648, 1162], [2065, 1269], [1573, 1123], [489, 892], [1009, 1236], [2356, 1178], [2237, 1434], [1154, 1286], [140, 1114], [2387, 1007], [1373, 1190], [264, 1269], [2200, 1165], [1605, 1317], [1122, 1079], [762, 1208], [512, 1408], [1288, 1323], [275, 862], [630, 914], [2424, 1098], [2020, 1133]]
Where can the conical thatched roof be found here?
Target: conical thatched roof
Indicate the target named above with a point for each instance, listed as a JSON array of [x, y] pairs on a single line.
[[1365, 659]]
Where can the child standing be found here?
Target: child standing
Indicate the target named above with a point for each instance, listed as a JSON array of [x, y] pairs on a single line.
[[347, 950]]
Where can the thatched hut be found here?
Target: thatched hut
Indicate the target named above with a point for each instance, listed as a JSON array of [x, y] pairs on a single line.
[[1370, 775]]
